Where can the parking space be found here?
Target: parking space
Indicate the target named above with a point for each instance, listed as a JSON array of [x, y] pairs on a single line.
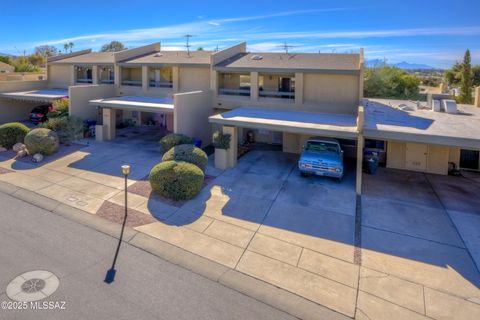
[[413, 242]]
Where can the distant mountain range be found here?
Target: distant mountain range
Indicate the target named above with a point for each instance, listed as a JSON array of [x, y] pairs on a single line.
[[402, 65]]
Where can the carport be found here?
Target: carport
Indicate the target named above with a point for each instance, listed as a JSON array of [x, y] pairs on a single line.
[[419, 139], [131, 107], [17, 105], [294, 125], [40, 95]]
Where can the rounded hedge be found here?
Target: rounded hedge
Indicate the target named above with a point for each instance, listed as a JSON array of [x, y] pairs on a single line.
[[41, 140], [188, 153], [12, 133], [177, 180], [174, 139]]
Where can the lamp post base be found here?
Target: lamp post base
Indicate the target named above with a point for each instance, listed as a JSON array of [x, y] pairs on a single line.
[[110, 276]]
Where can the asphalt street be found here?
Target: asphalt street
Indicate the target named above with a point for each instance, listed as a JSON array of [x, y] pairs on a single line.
[[146, 287]]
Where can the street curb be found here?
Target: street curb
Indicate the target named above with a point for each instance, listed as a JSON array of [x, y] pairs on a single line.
[[259, 290]]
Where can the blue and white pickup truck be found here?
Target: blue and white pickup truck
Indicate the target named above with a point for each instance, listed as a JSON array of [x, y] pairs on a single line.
[[322, 157]]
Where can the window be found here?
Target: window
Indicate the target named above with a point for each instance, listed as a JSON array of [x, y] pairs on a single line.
[[84, 75], [234, 84], [161, 77], [276, 86]]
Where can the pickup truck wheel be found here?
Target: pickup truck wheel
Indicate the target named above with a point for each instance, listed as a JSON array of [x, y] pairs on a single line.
[[338, 180], [303, 174]]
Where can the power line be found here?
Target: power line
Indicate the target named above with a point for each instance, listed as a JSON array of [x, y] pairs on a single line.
[[285, 47]]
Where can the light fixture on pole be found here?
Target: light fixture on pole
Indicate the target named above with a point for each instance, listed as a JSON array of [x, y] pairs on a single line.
[[110, 276]]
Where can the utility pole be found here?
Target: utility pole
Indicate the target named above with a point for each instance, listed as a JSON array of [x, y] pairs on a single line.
[[187, 45], [285, 47]]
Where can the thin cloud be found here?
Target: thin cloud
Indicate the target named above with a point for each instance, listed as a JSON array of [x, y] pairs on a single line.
[[275, 15]]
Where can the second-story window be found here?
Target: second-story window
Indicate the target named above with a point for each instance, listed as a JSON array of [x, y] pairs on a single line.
[[132, 77], [84, 75], [161, 77], [236, 84], [276, 86], [106, 75]]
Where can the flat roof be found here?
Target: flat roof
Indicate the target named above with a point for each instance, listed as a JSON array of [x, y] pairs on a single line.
[[338, 62], [93, 58], [136, 103], [314, 123], [401, 120], [39, 95], [172, 58]]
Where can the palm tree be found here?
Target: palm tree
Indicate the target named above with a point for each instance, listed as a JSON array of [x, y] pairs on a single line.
[[65, 46], [70, 44]]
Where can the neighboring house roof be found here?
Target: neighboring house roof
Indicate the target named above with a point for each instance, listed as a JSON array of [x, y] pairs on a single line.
[[91, 58], [401, 120], [172, 58], [5, 67], [291, 62]]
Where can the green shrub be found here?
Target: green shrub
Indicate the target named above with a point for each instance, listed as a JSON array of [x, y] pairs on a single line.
[[221, 141], [188, 153], [174, 139], [11, 133], [42, 140], [177, 180], [60, 108], [67, 128]]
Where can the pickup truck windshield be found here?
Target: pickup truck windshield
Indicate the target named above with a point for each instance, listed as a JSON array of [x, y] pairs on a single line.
[[320, 146]]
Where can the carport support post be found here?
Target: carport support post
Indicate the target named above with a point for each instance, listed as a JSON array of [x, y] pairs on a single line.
[[109, 120], [232, 151], [95, 75], [360, 145]]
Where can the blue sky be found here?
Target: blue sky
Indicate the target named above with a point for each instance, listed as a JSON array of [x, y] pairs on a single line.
[[431, 32]]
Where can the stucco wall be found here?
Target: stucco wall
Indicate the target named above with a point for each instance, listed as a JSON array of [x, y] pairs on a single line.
[[60, 75], [191, 113], [194, 79], [81, 95], [331, 93]]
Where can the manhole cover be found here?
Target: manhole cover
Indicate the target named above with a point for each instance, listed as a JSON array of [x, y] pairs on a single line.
[[32, 286]]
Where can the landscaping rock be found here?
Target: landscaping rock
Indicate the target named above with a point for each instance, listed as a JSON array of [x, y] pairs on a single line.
[[37, 157], [18, 147], [22, 153]]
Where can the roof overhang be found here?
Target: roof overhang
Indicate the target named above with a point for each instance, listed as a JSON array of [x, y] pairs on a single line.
[[166, 64], [39, 95], [450, 141], [300, 122], [136, 103], [285, 70]]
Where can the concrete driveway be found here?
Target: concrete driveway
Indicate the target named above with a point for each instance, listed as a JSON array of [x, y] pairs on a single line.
[[413, 257]]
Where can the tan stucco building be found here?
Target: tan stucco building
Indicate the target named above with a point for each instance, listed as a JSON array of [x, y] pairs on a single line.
[[282, 98]]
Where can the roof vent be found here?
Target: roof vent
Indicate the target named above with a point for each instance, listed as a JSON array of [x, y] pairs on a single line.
[[158, 55], [257, 57]]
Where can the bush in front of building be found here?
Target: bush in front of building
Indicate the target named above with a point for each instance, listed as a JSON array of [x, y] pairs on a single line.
[[42, 140], [188, 153], [174, 139], [12, 133], [67, 128], [60, 108], [177, 180]]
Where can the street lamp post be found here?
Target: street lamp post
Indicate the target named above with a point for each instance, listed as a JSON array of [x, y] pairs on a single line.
[[110, 276]]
